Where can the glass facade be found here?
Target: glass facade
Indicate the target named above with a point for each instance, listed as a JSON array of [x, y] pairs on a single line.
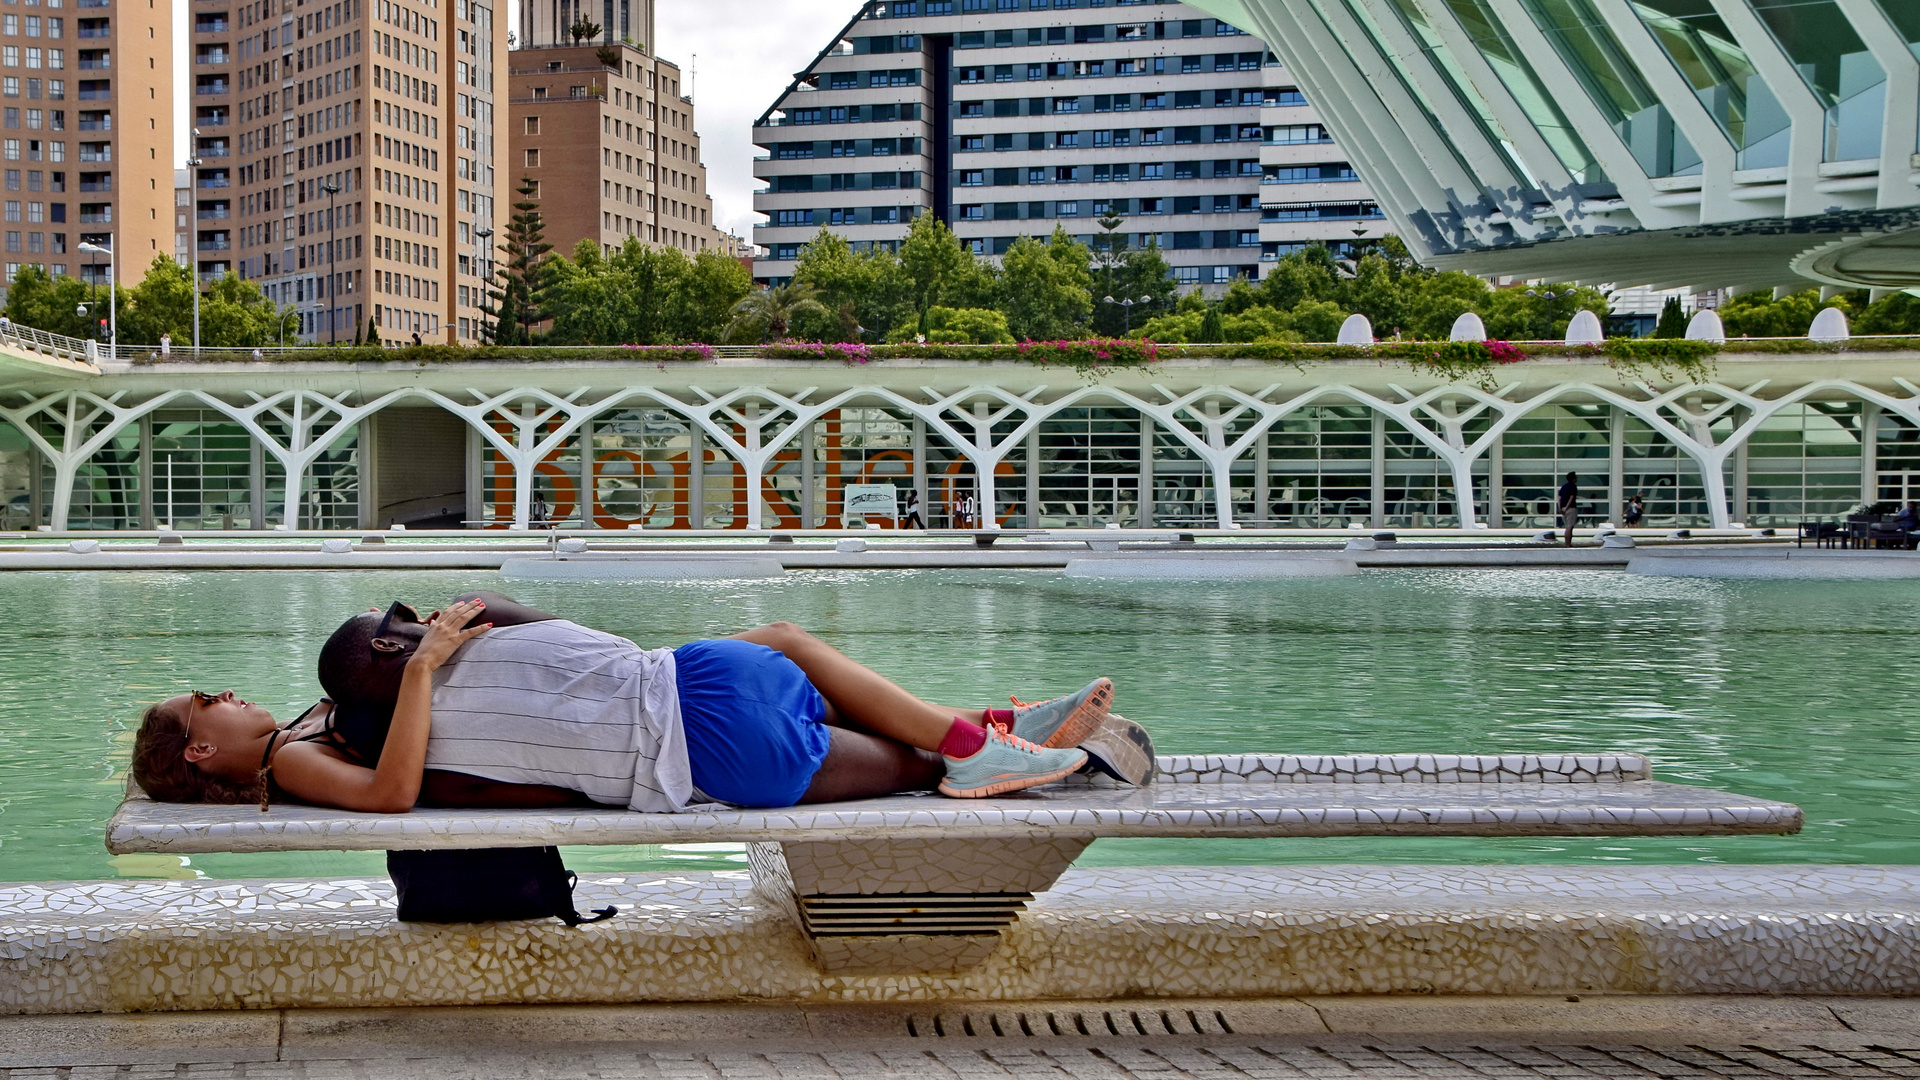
[[1463, 90], [1595, 57], [1523, 84], [1086, 465], [1837, 67], [1723, 77]]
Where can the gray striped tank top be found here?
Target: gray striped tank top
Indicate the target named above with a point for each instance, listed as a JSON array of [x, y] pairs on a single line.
[[568, 706]]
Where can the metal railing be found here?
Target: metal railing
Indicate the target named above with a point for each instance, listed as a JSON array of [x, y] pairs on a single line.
[[57, 345]]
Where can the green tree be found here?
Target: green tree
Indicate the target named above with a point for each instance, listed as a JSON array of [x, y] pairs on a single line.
[[1436, 301], [236, 314], [1896, 314], [1212, 329], [961, 326], [1539, 312], [50, 303], [583, 28], [940, 272], [1673, 320], [1757, 314], [703, 305], [1047, 288], [524, 274], [1317, 320], [766, 314], [1142, 275], [161, 304], [859, 290], [1308, 274]]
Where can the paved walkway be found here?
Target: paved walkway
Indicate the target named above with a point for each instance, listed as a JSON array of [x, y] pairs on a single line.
[[1369, 1059]]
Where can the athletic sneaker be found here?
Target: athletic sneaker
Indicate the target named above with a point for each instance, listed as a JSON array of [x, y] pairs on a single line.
[[1007, 763], [1123, 750], [1063, 721]]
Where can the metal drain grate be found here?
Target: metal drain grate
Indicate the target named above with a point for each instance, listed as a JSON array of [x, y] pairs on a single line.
[[893, 914], [1069, 1024]]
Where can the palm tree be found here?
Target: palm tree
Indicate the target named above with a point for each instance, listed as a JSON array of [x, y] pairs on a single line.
[[769, 312]]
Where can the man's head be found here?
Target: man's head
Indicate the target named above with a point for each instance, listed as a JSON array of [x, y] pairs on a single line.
[[363, 661], [1573, 478]]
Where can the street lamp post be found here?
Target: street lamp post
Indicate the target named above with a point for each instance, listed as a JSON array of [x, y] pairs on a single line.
[[1126, 306], [193, 238], [333, 300], [484, 252], [113, 292]]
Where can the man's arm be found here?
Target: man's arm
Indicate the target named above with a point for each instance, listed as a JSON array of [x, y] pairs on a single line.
[[451, 790], [506, 611]]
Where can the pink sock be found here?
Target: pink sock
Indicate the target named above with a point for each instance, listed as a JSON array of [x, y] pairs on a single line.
[[1003, 717], [963, 739]]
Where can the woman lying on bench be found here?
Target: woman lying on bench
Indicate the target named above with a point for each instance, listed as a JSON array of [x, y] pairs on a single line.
[[526, 709]]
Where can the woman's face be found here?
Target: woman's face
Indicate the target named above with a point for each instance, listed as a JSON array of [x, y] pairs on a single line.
[[219, 729]]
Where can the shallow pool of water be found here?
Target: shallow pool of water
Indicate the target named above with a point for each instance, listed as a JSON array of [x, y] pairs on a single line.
[[1798, 690]]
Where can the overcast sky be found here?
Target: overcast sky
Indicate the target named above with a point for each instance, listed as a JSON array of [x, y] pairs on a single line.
[[747, 52]]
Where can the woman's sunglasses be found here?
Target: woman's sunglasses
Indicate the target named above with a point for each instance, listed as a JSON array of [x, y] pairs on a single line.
[[198, 697]]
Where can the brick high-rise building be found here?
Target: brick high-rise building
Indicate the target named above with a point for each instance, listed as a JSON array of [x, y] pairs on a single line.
[[607, 116], [361, 158], [86, 133]]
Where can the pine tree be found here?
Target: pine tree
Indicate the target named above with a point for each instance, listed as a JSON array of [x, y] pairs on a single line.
[[523, 278], [1673, 321]]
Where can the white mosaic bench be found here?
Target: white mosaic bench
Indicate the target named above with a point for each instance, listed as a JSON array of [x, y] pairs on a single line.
[[918, 883]]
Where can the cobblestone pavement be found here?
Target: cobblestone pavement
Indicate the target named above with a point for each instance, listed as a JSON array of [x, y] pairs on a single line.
[[1263, 1059]]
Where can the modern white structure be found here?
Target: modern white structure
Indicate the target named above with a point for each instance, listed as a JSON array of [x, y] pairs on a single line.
[[1709, 143], [1006, 118], [608, 442]]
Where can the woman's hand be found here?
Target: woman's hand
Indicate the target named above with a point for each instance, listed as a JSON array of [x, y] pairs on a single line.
[[445, 634]]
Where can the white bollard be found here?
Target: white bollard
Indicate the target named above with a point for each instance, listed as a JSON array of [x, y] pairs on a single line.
[[1829, 325], [1468, 327], [573, 545], [336, 545], [1357, 330], [1585, 329], [84, 547], [1706, 326]]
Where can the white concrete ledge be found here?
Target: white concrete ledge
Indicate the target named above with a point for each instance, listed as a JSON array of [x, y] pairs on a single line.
[[1225, 795], [1776, 563], [1170, 932]]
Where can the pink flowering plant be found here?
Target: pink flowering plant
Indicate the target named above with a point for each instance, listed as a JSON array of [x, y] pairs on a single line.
[[849, 353]]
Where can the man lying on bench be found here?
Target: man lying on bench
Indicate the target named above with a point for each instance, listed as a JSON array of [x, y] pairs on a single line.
[[530, 710]]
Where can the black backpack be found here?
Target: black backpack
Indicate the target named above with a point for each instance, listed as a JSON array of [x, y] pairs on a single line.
[[485, 885]]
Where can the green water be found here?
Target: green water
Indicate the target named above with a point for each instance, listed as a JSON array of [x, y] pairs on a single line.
[[1798, 690]]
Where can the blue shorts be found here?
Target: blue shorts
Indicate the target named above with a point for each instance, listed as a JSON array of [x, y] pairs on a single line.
[[753, 722]]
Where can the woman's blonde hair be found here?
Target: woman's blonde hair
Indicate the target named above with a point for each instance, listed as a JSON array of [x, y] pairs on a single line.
[[161, 769]]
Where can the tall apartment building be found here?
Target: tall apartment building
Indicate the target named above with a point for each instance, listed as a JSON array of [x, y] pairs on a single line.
[[1007, 117], [607, 117], [347, 156], [86, 131]]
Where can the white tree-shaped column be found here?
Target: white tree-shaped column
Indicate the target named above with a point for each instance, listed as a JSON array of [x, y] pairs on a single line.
[[76, 412]]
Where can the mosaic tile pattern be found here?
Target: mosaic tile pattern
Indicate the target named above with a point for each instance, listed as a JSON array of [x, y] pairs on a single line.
[[1533, 797], [1107, 934], [1403, 768]]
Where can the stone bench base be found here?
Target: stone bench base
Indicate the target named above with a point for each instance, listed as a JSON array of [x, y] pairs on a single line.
[[1170, 932]]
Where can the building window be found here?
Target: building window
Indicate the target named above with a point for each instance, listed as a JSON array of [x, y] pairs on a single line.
[[533, 158], [533, 125]]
